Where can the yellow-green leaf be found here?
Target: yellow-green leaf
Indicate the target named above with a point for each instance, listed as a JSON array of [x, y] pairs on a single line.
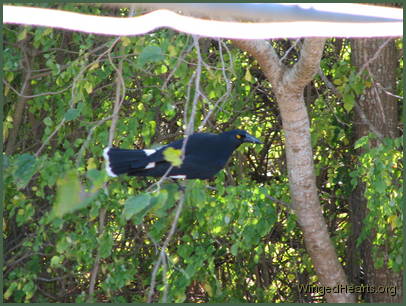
[[172, 50], [91, 164], [173, 156], [22, 35], [94, 66], [89, 87], [67, 194], [125, 41], [248, 76]]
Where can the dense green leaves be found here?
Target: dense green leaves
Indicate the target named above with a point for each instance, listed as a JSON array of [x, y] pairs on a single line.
[[380, 169]]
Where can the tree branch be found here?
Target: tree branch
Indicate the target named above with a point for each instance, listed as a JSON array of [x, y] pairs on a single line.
[[297, 77], [162, 254], [20, 104], [266, 56]]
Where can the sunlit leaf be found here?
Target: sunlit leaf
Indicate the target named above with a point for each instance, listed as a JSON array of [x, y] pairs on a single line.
[[68, 194], [361, 142], [248, 77], [125, 41], [349, 101], [173, 156]]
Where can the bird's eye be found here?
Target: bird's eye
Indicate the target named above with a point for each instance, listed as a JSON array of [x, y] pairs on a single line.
[[238, 136]]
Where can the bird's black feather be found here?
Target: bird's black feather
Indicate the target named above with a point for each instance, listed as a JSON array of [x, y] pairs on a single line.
[[205, 155]]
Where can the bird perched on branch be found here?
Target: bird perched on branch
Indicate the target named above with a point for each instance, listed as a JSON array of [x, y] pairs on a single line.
[[205, 155]]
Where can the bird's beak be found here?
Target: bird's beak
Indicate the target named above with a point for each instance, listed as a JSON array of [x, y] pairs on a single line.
[[249, 138]]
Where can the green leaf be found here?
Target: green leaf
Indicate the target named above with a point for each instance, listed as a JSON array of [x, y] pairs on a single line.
[[22, 35], [248, 77], [47, 121], [97, 177], [136, 204], [196, 193], [361, 142], [71, 114], [56, 261], [67, 194], [24, 215], [173, 156], [125, 41], [150, 54], [105, 245], [89, 87], [158, 202], [25, 168], [380, 186], [234, 249], [10, 290], [165, 200], [349, 101]]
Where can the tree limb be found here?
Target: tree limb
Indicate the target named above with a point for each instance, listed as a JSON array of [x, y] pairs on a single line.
[[288, 85]]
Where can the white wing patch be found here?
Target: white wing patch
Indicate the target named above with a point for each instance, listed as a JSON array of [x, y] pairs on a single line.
[[106, 158], [181, 176], [148, 152], [150, 165]]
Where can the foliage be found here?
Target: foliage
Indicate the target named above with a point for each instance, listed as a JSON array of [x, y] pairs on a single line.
[[381, 170], [233, 243]]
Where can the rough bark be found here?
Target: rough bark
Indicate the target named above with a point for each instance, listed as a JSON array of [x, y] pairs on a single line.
[[289, 84], [379, 59], [20, 105]]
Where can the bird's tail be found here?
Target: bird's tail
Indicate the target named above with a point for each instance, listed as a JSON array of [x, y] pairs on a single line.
[[120, 161]]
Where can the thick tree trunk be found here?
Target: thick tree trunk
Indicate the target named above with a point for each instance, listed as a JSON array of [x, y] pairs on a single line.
[[19, 113], [289, 84], [378, 58]]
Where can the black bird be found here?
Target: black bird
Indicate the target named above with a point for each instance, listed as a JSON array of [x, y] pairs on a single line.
[[205, 155]]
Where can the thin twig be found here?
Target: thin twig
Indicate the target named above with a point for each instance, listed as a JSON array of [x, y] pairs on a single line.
[[120, 94], [288, 51], [356, 104], [188, 131], [379, 85], [183, 54], [198, 73], [162, 253], [165, 278], [374, 57], [224, 97], [286, 204], [49, 137], [189, 123], [37, 95], [73, 95], [95, 270], [88, 138]]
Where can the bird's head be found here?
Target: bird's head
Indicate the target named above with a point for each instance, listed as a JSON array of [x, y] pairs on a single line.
[[241, 136]]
